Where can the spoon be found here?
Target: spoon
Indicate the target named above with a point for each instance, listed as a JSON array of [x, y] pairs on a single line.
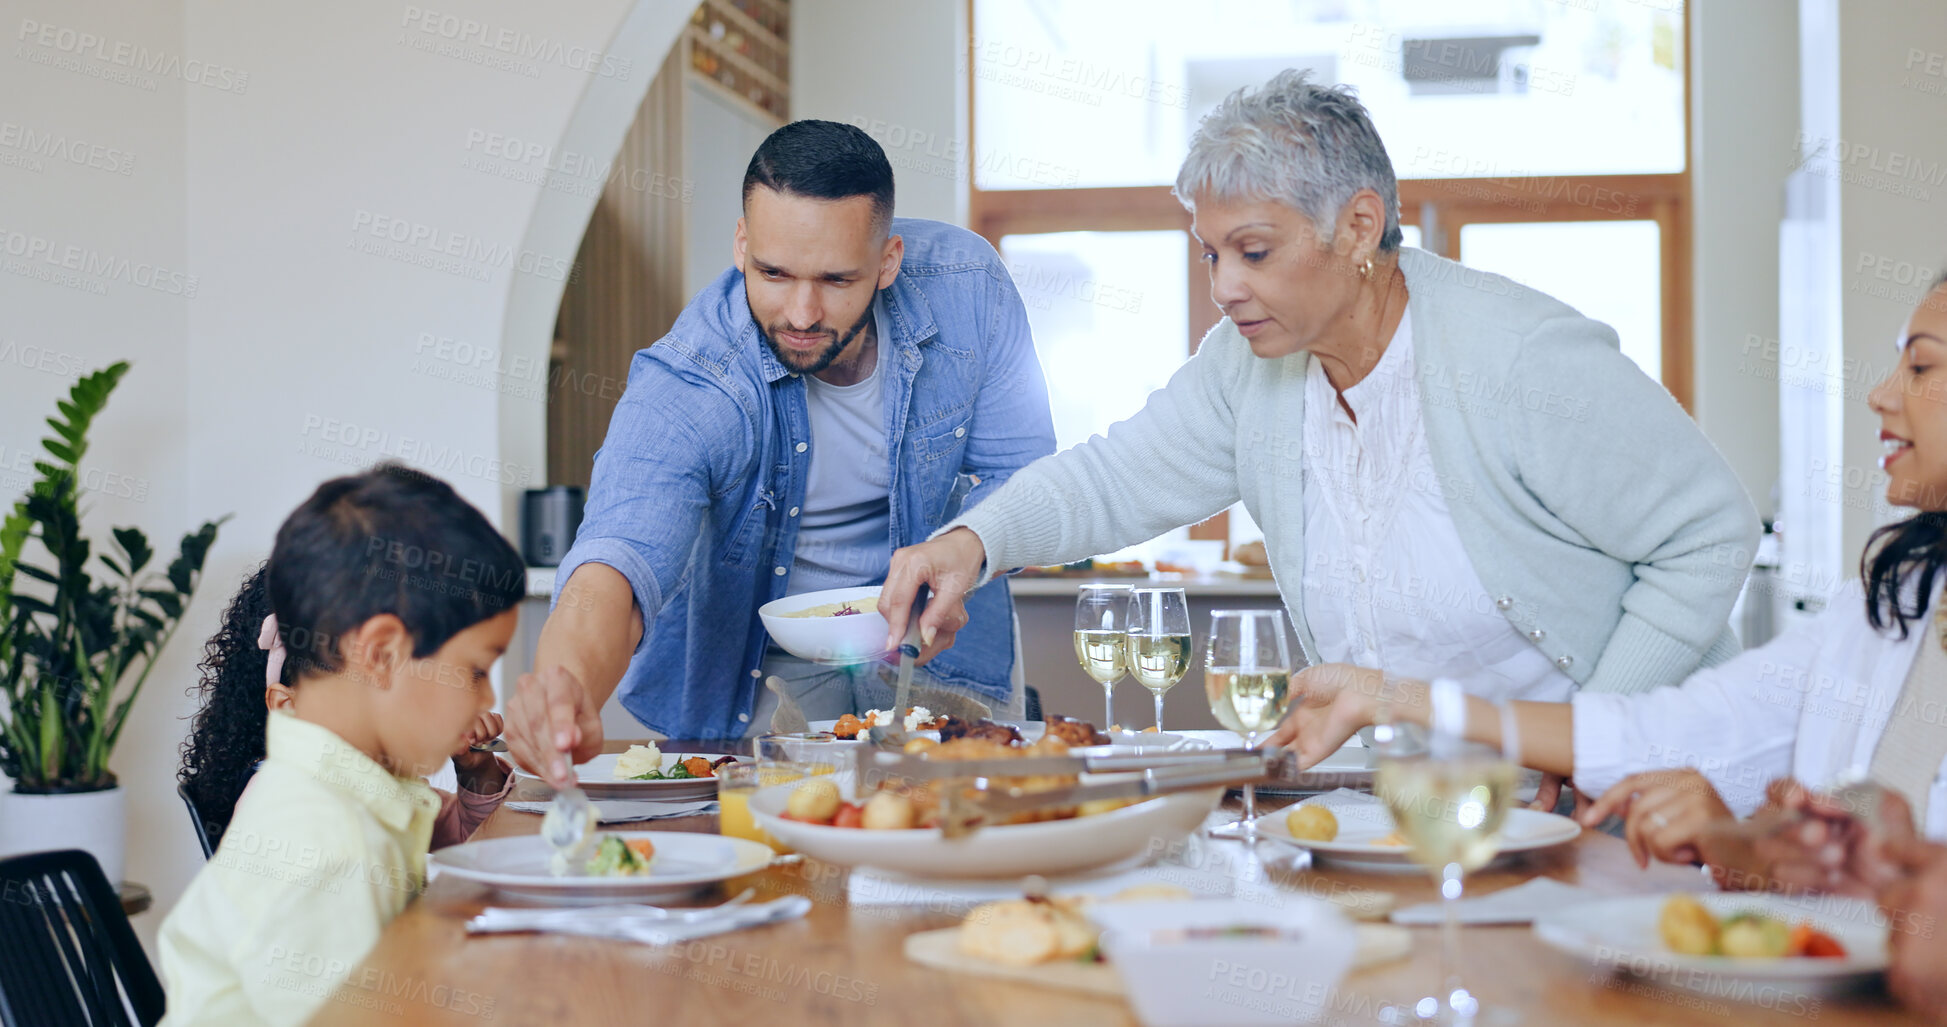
[[567, 827]]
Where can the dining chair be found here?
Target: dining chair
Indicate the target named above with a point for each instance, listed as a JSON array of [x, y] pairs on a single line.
[[196, 820], [67, 953]]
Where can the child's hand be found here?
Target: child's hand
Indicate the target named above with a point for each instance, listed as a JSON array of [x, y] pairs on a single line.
[[480, 771]]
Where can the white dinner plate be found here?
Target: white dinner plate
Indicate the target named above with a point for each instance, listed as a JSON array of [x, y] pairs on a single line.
[[1362, 824], [685, 862], [598, 780], [1621, 935], [1049, 847]]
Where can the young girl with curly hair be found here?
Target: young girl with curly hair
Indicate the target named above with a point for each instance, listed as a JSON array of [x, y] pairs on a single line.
[[226, 741], [388, 600]]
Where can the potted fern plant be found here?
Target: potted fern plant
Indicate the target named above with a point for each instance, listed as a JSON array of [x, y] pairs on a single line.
[[75, 649]]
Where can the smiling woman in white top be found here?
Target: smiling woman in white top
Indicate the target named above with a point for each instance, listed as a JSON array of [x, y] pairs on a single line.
[[1454, 473], [1860, 692]]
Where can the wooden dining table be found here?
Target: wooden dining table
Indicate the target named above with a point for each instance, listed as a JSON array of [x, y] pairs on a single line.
[[844, 963]]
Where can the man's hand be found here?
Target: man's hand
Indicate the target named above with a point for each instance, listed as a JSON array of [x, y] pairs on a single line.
[[949, 566], [1329, 704], [552, 725]]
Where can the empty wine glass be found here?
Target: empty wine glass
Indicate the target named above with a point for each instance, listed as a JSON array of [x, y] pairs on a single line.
[[1158, 650], [1247, 677], [1101, 620]]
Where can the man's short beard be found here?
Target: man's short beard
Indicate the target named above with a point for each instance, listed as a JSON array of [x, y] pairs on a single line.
[[824, 359]]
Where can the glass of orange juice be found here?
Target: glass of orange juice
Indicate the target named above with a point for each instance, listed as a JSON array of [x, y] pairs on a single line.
[[735, 784]]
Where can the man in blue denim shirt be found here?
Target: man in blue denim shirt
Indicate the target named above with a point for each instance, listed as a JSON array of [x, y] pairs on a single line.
[[899, 346]]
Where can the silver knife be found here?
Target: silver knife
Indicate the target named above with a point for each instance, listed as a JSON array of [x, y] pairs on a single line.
[[894, 735]]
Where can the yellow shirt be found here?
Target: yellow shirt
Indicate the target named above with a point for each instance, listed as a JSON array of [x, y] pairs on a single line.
[[324, 849]]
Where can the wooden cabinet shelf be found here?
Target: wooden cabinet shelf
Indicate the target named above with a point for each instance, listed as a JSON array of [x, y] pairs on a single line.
[[742, 47]]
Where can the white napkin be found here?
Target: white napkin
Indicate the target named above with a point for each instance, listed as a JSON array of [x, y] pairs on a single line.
[[649, 925], [1517, 905], [624, 811]]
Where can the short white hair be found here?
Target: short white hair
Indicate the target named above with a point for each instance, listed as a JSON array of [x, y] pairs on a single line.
[[1290, 141]]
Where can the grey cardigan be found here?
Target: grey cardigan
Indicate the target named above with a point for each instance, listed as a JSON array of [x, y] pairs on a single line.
[[1609, 530]]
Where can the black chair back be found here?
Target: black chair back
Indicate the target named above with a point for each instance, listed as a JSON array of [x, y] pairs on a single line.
[[196, 820], [67, 953], [1031, 709]]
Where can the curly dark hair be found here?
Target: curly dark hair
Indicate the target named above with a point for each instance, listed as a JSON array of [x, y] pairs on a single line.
[[227, 737]]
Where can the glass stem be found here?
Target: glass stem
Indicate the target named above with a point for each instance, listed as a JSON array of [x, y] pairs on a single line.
[[1108, 705], [1159, 712], [1450, 889], [1250, 793]]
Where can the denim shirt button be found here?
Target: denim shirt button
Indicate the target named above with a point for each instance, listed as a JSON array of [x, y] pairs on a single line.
[[959, 433], [802, 447], [779, 571], [745, 717], [756, 672], [794, 511]]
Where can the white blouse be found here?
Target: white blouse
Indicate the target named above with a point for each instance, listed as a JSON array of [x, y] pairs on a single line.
[[1386, 582], [1812, 704]]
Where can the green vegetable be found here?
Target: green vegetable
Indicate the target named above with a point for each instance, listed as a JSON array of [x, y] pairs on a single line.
[[653, 775], [678, 771], [613, 858]]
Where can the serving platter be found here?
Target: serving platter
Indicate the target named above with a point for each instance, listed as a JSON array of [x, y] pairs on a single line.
[[1048, 847]]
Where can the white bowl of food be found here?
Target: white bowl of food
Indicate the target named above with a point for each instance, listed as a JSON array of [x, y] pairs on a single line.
[[1047, 847], [838, 626]]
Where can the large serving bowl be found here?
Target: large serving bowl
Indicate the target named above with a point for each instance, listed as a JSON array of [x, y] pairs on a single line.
[[841, 641], [1049, 847]]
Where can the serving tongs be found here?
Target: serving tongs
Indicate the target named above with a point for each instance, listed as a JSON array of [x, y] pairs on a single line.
[[984, 793]]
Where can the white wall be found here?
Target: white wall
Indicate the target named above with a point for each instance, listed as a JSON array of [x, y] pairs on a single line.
[[1744, 116], [1873, 189], [1892, 210], [896, 68], [301, 354]]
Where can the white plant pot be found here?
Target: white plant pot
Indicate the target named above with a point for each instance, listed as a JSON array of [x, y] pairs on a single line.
[[93, 821]]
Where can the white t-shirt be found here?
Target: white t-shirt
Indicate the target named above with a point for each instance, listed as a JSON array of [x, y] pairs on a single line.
[[845, 528], [1386, 582]]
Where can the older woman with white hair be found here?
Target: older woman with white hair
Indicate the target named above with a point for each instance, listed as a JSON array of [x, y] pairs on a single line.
[[1457, 476]]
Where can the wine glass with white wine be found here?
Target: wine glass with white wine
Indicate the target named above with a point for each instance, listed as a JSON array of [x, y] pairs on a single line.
[[1158, 647], [1449, 799], [1101, 621], [1247, 677]]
